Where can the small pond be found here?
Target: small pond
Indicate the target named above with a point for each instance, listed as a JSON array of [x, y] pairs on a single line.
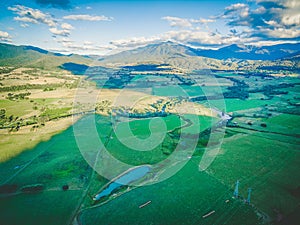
[[130, 176]]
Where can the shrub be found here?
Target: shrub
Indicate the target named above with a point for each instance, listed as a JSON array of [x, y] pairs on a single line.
[[263, 125], [65, 187], [32, 188]]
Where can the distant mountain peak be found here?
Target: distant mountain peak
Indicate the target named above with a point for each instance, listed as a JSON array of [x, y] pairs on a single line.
[[251, 52]]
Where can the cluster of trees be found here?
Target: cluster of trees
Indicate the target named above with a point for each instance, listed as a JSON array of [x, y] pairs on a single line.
[[14, 123], [27, 87], [147, 67], [9, 121], [49, 89], [32, 188], [103, 106], [21, 96], [271, 90], [4, 70], [118, 80], [239, 90], [160, 110]]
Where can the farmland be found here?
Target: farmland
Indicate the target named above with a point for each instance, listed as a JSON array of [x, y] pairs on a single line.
[[259, 148]]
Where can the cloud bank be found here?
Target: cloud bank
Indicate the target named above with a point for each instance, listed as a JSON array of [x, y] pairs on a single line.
[[87, 17]]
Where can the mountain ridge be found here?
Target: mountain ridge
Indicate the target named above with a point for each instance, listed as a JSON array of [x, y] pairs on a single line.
[[171, 53], [188, 58], [251, 52], [26, 55]]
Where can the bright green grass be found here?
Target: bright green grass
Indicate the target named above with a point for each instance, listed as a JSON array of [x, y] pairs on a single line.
[[16, 108], [58, 162], [56, 112], [182, 199], [177, 91], [232, 105], [48, 208], [122, 139], [140, 127], [186, 91], [53, 163], [283, 123], [23, 107], [287, 120], [267, 163], [128, 147]]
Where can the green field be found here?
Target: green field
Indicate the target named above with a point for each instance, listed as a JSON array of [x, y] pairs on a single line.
[[186, 91], [58, 162], [271, 171], [260, 149]]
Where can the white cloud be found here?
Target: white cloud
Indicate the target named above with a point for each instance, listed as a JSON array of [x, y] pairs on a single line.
[[260, 10], [88, 43], [66, 26], [135, 41], [62, 32], [4, 36], [25, 19], [236, 10], [270, 18], [187, 23], [24, 25], [269, 43], [236, 6], [201, 37], [177, 22], [202, 21], [291, 19], [187, 36], [88, 17], [64, 40], [84, 49], [30, 15], [271, 23], [282, 32]]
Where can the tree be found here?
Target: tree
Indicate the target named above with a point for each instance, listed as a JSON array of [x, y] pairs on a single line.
[[10, 118], [2, 113]]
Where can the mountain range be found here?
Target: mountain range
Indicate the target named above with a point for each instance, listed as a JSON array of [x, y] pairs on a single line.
[[251, 52], [231, 57]]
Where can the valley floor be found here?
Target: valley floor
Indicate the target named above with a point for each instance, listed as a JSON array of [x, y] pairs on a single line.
[[259, 146]]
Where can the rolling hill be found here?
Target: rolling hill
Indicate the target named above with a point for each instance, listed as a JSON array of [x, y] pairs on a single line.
[[30, 56]]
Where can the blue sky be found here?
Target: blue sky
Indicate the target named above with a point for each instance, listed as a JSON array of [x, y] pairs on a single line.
[[99, 27]]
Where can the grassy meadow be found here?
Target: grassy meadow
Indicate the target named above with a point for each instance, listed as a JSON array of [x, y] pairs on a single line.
[[53, 181]]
